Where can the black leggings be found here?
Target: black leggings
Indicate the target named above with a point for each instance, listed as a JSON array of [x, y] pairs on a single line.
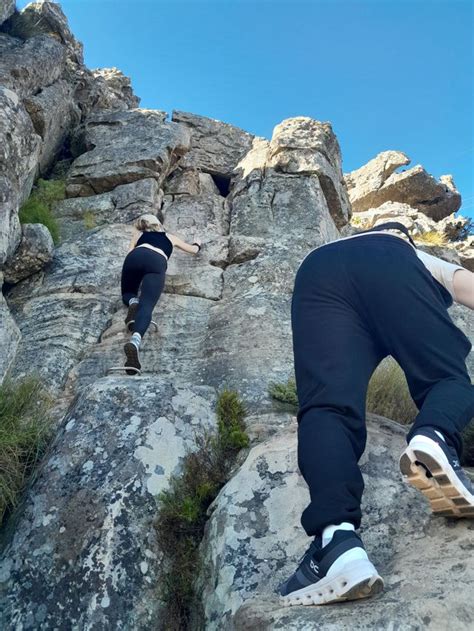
[[148, 268]]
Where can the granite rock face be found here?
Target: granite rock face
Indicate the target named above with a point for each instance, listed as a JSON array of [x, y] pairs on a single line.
[[9, 336], [125, 146], [377, 182], [86, 535], [254, 539], [216, 147], [34, 252], [7, 7]]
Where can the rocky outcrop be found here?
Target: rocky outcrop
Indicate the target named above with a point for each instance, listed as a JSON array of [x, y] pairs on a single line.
[[89, 550], [125, 146], [82, 547], [377, 182], [216, 147], [253, 541], [7, 7], [34, 252]]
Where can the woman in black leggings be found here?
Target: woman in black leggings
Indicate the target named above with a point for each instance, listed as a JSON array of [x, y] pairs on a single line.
[[145, 266]]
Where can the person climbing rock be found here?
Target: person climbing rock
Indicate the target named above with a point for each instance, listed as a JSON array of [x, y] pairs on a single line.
[[355, 301], [144, 268]]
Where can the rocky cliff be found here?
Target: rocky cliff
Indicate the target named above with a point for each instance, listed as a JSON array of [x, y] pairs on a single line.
[[80, 552]]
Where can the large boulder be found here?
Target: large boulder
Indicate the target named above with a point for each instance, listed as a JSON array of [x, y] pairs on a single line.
[[46, 18], [84, 553], [123, 204], [125, 146], [280, 211], [34, 252], [19, 157], [377, 182], [7, 7], [216, 147], [254, 539]]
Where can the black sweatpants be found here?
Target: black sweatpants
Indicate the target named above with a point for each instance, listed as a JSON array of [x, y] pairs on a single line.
[[356, 301], [143, 267]]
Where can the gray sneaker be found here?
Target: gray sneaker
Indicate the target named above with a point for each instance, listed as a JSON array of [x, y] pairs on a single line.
[[432, 466]]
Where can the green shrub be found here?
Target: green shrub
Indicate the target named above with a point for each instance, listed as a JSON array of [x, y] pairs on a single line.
[[38, 207], [182, 508], [24, 433], [387, 393], [284, 392]]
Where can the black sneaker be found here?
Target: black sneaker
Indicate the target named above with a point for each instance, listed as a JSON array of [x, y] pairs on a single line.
[[316, 582], [132, 362], [432, 466], [130, 317]]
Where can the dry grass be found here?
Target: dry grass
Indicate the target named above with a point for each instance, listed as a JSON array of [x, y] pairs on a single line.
[[432, 238], [24, 434], [388, 394]]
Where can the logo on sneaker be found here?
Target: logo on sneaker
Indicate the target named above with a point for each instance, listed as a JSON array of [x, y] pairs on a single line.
[[314, 567], [456, 463]]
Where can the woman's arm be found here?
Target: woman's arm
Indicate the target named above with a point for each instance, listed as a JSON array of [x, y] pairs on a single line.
[[182, 245], [463, 286], [135, 237]]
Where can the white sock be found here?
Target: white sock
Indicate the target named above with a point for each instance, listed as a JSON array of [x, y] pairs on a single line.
[[136, 339], [133, 301], [440, 435], [330, 530]]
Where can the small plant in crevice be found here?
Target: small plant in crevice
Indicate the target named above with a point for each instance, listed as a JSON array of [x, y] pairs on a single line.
[[89, 220], [284, 392], [431, 237], [467, 459], [25, 430], [38, 208], [182, 509]]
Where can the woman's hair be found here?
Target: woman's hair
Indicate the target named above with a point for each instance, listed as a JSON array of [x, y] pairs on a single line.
[[149, 223]]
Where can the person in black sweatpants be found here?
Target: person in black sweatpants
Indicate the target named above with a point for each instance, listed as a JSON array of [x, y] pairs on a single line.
[[355, 301]]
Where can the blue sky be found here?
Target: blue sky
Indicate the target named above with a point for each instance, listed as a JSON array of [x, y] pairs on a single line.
[[388, 74]]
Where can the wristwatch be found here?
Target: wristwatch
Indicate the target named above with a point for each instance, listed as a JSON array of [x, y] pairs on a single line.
[[197, 245]]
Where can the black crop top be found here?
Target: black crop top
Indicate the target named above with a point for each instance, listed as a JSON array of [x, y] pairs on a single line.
[[158, 240]]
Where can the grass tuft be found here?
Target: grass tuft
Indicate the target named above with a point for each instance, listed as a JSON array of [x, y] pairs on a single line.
[[182, 509], [467, 459], [284, 392], [24, 434], [38, 208], [432, 237]]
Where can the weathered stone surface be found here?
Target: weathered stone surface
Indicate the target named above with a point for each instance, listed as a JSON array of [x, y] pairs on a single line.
[[116, 90], [53, 113], [372, 176], [19, 156], [254, 540], [27, 67], [121, 205], [7, 7], [46, 18], [282, 216], [85, 542], [376, 183], [62, 313], [216, 147], [9, 335], [303, 145], [123, 147], [34, 252]]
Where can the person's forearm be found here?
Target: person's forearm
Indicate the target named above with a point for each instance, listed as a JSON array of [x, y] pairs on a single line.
[[463, 286]]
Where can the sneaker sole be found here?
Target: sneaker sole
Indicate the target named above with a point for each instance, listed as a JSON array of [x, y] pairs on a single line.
[[356, 580], [132, 359], [446, 494]]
